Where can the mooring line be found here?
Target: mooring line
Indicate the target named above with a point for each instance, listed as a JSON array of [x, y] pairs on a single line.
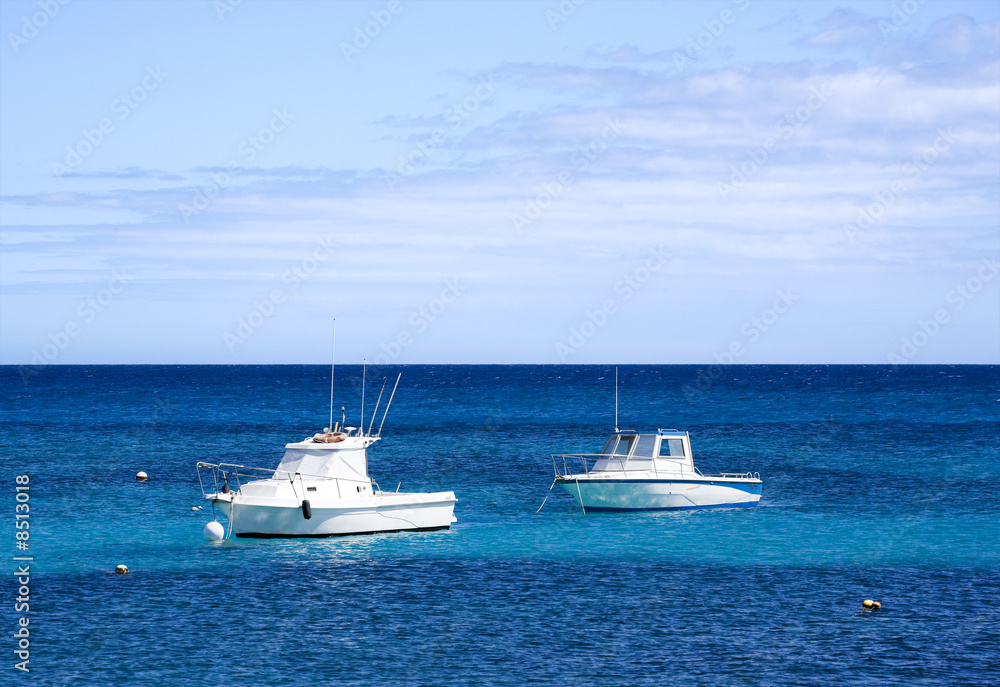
[[546, 497]]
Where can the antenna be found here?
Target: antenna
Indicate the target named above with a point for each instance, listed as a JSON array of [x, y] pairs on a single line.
[[388, 404], [616, 398], [375, 412], [333, 363], [364, 363]]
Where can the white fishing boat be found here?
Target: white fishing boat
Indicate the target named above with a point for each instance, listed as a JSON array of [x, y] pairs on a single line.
[[650, 471], [321, 488]]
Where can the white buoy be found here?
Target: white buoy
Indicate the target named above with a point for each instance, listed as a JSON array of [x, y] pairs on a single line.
[[121, 570], [141, 476], [195, 507], [214, 531]]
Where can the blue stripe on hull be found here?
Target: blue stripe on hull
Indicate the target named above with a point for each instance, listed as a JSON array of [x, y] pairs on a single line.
[[263, 535], [717, 483], [601, 509]]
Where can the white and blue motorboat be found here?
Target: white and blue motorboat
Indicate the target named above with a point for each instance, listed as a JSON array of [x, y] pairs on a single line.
[[650, 471]]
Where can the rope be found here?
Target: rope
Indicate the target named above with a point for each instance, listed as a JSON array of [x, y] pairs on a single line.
[[232, 507], [546, 497]]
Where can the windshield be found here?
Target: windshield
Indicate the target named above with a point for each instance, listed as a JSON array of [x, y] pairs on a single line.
[[610, 446], [644, 449], [624, 445]]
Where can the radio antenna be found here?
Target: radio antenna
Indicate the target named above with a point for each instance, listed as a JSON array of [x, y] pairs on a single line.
[[364, 366], [616, 398], [333, 364], [388, 404], [375, 412]]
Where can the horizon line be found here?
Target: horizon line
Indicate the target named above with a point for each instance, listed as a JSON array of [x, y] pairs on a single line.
[[325, 364]]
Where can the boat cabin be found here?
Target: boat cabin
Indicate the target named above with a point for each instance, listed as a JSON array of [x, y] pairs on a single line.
[[668, 450], [327, 456]]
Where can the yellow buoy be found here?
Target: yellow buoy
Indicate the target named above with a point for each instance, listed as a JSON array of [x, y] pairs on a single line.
[[870, 605], [121, 570]]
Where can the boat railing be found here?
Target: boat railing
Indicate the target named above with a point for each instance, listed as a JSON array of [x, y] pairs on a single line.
[[729, 475], [222, 473], [564, 460], [733, 475], [567, 462]]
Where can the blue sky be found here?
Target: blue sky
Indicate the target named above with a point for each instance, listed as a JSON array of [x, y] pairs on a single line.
[[516, 182]]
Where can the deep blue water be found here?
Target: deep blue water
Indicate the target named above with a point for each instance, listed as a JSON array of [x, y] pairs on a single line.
[[879, 482]]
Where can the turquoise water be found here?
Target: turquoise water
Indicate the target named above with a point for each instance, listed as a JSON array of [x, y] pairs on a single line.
[[879, 482]]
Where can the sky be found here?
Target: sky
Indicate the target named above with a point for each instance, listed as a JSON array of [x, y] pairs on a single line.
[[499, 182]]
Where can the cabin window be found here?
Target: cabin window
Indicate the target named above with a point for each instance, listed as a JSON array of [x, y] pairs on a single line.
[[625, 445], [610, 446], [645, 445], [671, 448]]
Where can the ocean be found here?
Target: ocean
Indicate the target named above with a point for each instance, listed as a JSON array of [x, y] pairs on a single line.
[[879, 482]]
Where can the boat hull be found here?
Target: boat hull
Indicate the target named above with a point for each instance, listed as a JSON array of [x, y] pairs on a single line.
[[625, 494], [371, 515]]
